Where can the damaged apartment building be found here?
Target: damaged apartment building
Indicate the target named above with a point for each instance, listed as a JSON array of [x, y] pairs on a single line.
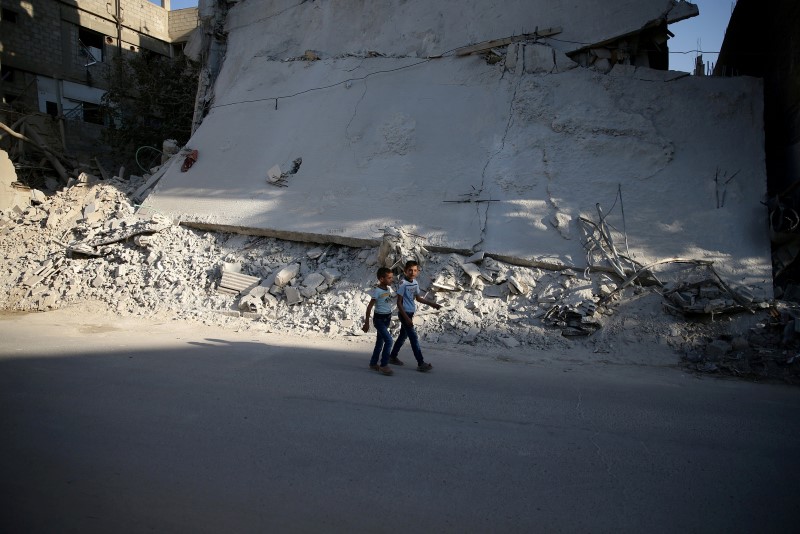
[[495, 127], [54, 55]]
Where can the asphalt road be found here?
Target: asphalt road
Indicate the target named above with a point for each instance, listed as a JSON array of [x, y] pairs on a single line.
[[107, 430]]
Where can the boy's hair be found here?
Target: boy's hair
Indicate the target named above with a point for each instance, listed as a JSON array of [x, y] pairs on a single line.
[[410, 263], [382, 272]]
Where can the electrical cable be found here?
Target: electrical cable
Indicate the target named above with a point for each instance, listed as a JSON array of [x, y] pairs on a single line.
[[136, 157]]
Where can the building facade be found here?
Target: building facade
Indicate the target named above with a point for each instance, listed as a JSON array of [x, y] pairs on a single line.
[[54, 53]]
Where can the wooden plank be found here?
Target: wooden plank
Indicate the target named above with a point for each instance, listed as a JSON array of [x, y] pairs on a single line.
[[494, 43]]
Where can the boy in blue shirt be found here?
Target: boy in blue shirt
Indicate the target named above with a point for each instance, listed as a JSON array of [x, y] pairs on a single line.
[[382, 298], [408, 294]]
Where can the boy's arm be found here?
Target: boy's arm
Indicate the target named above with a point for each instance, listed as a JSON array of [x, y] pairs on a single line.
[[401, 312], [428, 302], [365, 328]]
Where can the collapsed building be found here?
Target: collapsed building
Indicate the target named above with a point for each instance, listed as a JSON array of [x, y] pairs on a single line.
[[539, 159], [480, 128]]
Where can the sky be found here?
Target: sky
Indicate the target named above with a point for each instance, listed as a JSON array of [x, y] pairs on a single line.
[[708, 29]]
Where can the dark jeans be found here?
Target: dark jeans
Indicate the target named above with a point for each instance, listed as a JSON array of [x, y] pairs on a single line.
[[411, 334], [383, 342]]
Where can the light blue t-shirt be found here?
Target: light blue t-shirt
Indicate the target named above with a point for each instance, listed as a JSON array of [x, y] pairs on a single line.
[[384, 299], [409, 290]]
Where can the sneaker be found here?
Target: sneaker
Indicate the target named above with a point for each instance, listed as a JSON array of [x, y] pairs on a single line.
[[374, 367], [395, 361], [385, 371], [424, 367]]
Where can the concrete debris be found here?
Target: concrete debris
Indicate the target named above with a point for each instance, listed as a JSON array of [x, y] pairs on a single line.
[[56, 256], [475, 258], [399, 246], [238, 282], [287, 274], [709, 297], [293, 296]]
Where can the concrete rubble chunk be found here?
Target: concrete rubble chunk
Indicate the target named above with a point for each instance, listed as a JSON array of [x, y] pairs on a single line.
[[496, 291], [250, 303], [293, 295], [331, 276], [308, 292], [37, 197], [518, 286], [240, 283], [476, 258], [472, 271], [313, 280], [314, 253], [286, 274], [231, 267]]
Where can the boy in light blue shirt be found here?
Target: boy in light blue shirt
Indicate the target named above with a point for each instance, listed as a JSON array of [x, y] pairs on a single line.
[[408, 294], [382, 299]]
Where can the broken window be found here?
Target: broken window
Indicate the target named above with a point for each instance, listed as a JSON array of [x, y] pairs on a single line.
[[92, 113], [91, 45], [51, 108]]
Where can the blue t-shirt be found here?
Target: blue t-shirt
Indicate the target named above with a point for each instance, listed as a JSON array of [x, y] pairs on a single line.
[[409, 290], [384, 299]]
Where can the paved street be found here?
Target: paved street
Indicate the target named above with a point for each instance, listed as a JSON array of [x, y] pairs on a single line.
[[106, 429]]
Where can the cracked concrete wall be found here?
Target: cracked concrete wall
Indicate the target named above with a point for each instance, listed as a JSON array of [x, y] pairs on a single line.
[[501, 157]]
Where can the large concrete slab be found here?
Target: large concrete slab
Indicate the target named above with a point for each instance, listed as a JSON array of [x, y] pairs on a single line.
[[401, 140]]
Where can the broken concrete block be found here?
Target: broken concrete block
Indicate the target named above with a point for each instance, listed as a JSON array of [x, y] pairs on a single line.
[[120, 271], [238, 282], [322, 288], [269, 300], [258, 291], [285, 275], [314, 253], [472, 271], [86, 178], [250, 303], [313, 280], [603, 65], [37, 197], [308, 292], [331, 276], [517, 286], [276, 290], [496, 291], [710, 292], [293, 295], [476, 258], [231, 267]]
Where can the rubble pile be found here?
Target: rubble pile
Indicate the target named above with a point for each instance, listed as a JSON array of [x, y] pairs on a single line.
[[87, 244], [769, 348]]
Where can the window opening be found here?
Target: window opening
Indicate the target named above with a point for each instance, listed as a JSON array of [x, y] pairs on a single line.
[[91, 46]]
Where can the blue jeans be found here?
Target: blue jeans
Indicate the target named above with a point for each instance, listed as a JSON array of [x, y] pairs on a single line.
[[383, 341], [411, 334]]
